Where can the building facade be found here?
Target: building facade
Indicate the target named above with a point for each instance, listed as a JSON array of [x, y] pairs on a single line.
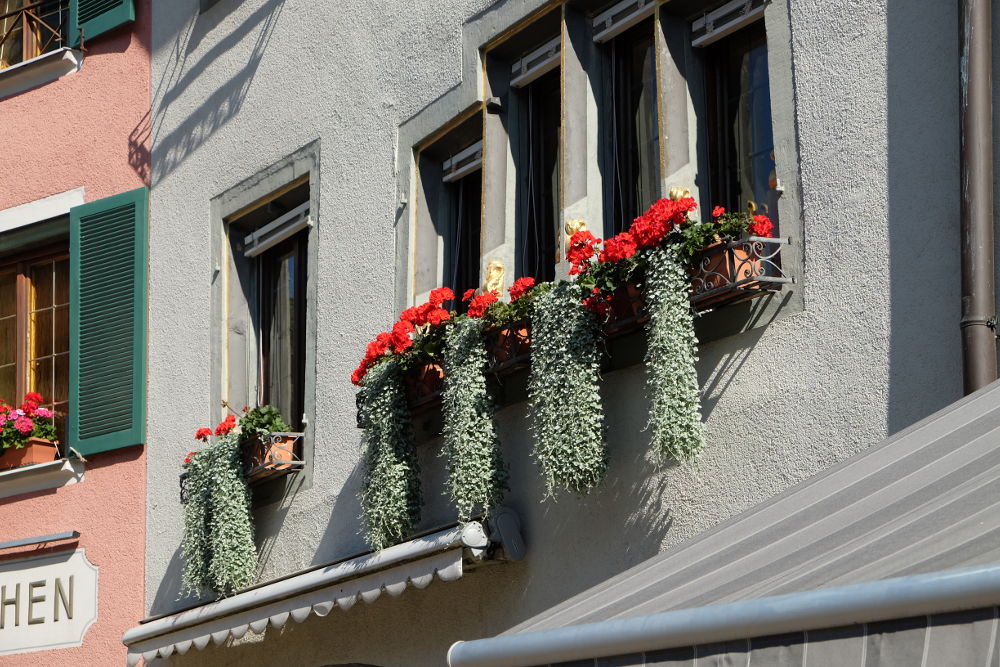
[[355, 158], [74, 99]]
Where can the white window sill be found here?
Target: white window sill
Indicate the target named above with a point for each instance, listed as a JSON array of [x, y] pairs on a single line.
[[39, 71], [28, 479]]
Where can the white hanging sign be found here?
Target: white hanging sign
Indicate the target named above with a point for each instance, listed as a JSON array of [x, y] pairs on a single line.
[[47, 602]]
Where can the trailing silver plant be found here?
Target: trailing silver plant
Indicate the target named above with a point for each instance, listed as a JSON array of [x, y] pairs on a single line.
[[477, 476], [218, 545], [390, 489], [563, 391], [672, 379]]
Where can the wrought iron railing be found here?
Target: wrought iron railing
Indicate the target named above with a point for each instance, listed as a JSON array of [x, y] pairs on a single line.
[[737, 271], [33, 29]]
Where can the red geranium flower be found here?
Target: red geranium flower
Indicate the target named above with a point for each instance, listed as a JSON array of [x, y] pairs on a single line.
[[33, 397], [761, 226], [581, 249], [617, 248], [469, 293], [521, 287], [226, 425], [203, 433], [479, 304], [718, 212], [440, 295]]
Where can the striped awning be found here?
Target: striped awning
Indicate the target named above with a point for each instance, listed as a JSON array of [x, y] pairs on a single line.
[[415, 563]]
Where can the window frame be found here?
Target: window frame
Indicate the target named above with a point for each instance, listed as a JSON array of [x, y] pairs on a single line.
[[35, 13], [21, 264]]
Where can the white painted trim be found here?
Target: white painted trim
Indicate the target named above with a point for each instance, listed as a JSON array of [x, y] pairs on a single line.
[[619, 18], [533, 65], [29, 479], [456, 167], [39, 70], [40, 209]]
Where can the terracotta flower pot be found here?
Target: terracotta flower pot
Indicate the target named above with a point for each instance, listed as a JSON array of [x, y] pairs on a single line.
[[272, 456], [424, 383], [35, 451], [627, 310], [510, 344], [718, 268]]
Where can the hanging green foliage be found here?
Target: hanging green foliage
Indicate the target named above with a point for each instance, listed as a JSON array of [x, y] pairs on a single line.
[[218, 546], [675, 410], [565, 403], [477, 476], [390, 490]]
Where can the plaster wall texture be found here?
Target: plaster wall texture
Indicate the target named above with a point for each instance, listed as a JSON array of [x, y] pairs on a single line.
[[108, 510], [875, 348], [89, 129]]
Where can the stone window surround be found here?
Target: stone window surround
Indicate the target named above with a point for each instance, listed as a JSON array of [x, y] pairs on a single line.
[[681, 100], [228, 302]]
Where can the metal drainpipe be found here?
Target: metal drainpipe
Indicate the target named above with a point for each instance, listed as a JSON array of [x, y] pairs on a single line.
[[979, 352]]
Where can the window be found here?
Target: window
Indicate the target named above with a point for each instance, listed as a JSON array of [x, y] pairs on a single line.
[[630, 124], [741, 141], [29, 28], [536, 78], [270, 247], [463, 184], [34, 329]]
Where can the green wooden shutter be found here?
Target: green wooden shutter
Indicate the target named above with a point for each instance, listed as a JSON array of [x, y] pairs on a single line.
[[107, 378], [97, 17]]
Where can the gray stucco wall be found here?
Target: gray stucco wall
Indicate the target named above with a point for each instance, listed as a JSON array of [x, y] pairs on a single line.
[[871, 102]]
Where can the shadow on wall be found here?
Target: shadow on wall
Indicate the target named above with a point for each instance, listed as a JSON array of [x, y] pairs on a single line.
[[167, 598], [217, 108], [925, 372]]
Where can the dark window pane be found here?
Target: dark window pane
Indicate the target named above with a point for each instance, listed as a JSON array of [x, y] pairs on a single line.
[[283, 328], [538, 178], [40, 334], [629, 120], [8, 384], [41, 286], [40, 377], [462, 246], [60, 388], [8, 294], [741, 140], [60, 340], [8, 342], [62, 282]]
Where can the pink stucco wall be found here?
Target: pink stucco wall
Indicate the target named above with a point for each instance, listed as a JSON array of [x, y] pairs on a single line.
[[108, 510], [90, 129]]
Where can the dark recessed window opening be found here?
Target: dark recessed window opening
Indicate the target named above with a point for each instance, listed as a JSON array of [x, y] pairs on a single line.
[[740, 138], [631, 172], [461, 253], [282, 335], [538, 178]]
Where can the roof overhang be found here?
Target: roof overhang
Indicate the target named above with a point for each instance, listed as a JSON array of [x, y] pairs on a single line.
[[413, 563]]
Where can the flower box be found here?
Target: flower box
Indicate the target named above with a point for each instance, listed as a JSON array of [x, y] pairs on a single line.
[[271, 456], [627, 311], [424, 384], [509, 346], [35, 451], [730, 271]]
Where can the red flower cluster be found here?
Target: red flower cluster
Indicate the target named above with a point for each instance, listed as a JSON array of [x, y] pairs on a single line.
[[581, 249], [617, 248], [481, 302], [469, 293], [190, 455], [761, 226], [398, 340], [663, 217], [521, 287], [203, 433], [226, 425], [598, 302], [718, 212]]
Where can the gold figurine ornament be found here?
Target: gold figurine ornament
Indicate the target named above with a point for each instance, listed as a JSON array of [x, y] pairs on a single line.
[[679, 192], [494, 276], [575, 225]]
